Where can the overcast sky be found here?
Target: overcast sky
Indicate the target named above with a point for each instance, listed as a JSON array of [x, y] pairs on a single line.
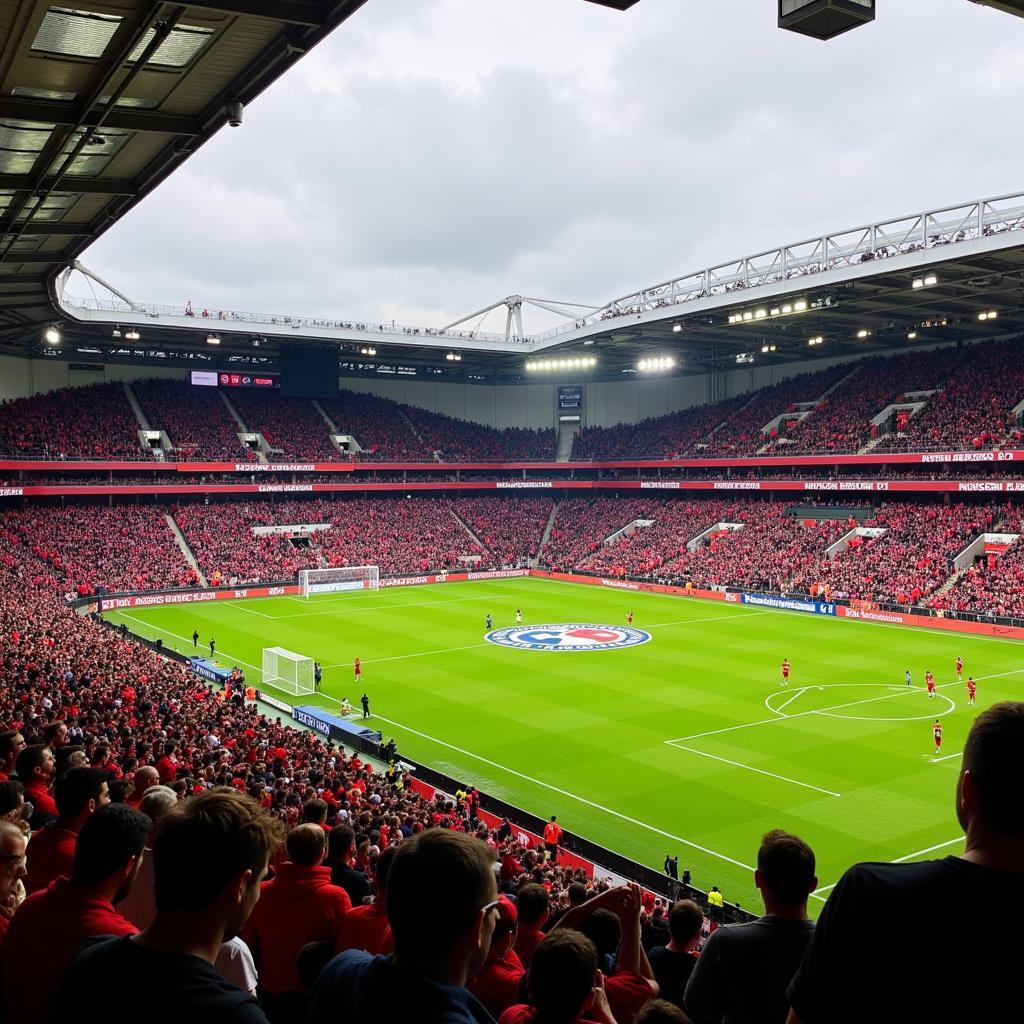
[[433, 156]]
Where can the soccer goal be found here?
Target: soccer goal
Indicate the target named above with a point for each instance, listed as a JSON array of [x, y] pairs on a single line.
[[287, 671], [333, 581]]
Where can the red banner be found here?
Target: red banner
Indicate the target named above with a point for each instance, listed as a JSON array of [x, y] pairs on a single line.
[[195, 596]]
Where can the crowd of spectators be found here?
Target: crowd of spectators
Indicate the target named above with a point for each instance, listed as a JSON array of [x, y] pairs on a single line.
[[116, 548], [510, 528], [464, 441], [974, 409], [292, 427], [93, 422], [195, 419], [378, 425]]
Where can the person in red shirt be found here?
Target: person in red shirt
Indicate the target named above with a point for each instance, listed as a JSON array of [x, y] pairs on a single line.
[[937, 733], [972, 689], [930, 682], [79, 793], [50, 926], [367, 926], [533, 912], [499, 984], [36, 768], [565, 985], [785, 671], [145, 777], [12, 868], [358, 670], [552, 836], [167, 766], [300, 905], [629, 618], [960, 669]]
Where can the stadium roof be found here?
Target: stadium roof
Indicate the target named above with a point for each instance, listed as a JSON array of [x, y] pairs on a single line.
[[927, 278], [99, 102]]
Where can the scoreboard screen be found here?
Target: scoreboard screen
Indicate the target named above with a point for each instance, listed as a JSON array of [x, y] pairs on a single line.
[[570, 397], [227, 379]]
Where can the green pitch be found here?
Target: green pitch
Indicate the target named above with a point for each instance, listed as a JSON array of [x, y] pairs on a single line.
[[687, 744]]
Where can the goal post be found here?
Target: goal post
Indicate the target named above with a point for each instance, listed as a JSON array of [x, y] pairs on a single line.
[[334, 581], [287, 671]]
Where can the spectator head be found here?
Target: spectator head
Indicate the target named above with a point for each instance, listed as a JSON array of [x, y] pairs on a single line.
[[505, 928], [12, 857], [210, 856], [532, 904], [315, 811], [12, 801], [989, 804], [685, 920], [35, 764], [145, 777], [341, 841], [604, 930], [157, 801], [55, 735], [660, 1011], [442, 902], [577, 894], [79, 792], [12, 743], [562, 975], [69, 757], [307, 845], [109, 850], [785, 871]]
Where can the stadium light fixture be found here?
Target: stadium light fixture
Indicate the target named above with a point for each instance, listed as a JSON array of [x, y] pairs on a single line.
[[367, 350], [912, 335], [926, 281], [815, 341], [767, 348], [52, 335], [454, 357], [131, 334], [863, 334], [800, 306], [990, 314], [676, 328], [212, 339], [760, 314], [656, 363], [575, 363], [116, 332]]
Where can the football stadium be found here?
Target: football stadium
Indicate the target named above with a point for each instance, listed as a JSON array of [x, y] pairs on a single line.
[[655, 658]]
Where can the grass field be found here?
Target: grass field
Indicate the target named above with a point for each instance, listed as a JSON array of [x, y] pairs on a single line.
[[687, 744]]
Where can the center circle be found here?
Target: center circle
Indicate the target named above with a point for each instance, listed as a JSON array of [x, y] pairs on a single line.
[[568, 636], [847, 709]]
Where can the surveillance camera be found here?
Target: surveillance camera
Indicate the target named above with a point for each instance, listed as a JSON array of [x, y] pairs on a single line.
[[233, 112]]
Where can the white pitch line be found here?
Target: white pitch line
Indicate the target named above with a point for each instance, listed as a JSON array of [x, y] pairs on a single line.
[[188, 640], [834, 707], [569, 795], [377, 608], [419, 654], [937, 846], [760, 771], [238, 606], [945, 757], [790, 700]]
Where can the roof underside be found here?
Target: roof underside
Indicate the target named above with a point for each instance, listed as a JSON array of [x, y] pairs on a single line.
[[99, 102]]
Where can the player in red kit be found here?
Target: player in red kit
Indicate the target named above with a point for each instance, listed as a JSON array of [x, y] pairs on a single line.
[[785, 671], [629, 619], [972, 689], [937, 733], [930, 681], [358, 670], [960, 669]]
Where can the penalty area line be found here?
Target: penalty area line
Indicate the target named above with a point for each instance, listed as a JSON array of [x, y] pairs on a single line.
[[569, 795]]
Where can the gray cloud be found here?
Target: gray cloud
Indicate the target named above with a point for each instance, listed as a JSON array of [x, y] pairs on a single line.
[[428, 159]]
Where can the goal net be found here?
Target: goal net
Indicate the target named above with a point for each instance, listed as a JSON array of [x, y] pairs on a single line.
[[288, 671], [333, 581]]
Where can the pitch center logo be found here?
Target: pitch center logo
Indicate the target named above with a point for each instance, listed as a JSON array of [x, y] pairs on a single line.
[[568, 636]]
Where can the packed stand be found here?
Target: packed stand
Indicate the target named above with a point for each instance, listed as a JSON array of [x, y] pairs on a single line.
[[93, 422], [194, 418], [842, 421], [974, 409], [911, 560], [582, 525], [378, 425], [463, 441], [994, 585], [741, 433], [509, 528], [657, 437], [119, 548], [291, 425]]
